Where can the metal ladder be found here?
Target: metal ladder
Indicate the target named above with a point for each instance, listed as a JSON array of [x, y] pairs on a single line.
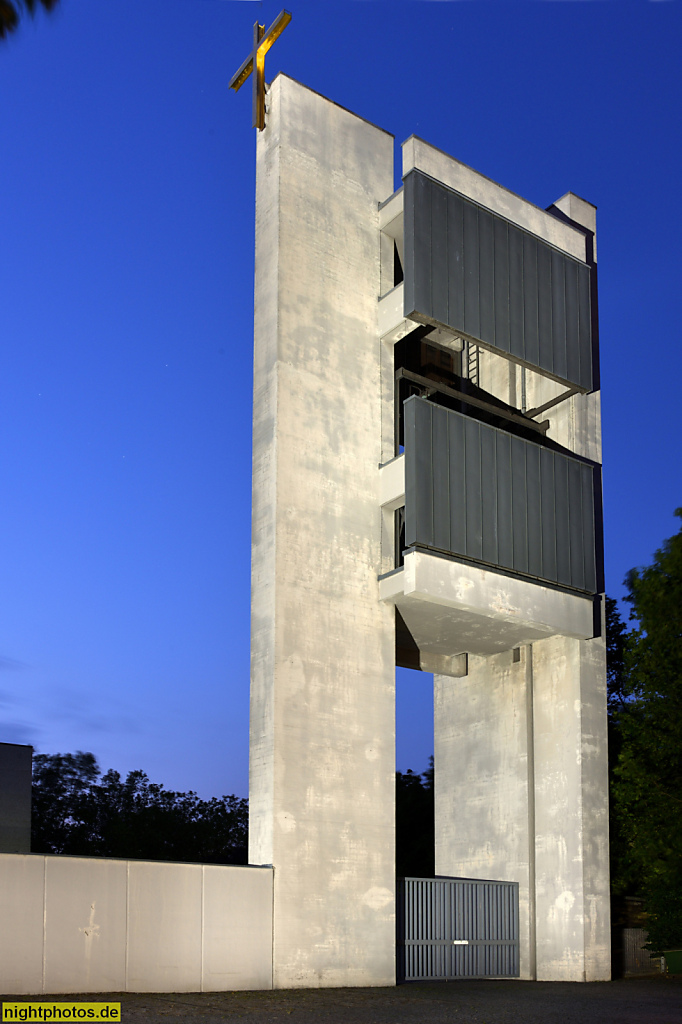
[[473, 366]]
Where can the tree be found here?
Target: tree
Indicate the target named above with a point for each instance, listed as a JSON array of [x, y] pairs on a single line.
[[11, 11], [647, 776], [59, 804], [616, 632], [414, 824], [77, 812]]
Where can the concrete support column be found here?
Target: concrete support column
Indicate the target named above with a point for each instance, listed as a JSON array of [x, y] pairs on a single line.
[[322, 782], [571, 810], [521, 795], [484, 780]]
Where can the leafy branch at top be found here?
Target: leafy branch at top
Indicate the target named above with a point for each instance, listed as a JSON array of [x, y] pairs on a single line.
[[12, 10]]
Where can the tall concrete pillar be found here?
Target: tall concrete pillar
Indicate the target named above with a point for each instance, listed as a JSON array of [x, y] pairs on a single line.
[[322, 764], [571, 810], [521, 795], [484, 775]]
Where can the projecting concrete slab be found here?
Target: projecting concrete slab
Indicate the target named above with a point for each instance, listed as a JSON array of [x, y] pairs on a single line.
[[452, 608]]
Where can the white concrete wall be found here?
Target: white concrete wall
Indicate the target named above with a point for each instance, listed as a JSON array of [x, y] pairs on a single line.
[[322, 784], [80, 924]]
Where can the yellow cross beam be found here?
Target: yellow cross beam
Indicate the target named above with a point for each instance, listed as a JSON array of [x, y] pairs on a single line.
[[262, 41]]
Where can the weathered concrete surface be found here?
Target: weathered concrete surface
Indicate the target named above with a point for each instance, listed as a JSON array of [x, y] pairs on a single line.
[[571, 810], [484, 779], [86, 924], [15, 797], [454, 608], [322, 684], [521, 794]]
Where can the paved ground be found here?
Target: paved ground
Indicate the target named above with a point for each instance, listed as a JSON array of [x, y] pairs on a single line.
[[656, 1000]]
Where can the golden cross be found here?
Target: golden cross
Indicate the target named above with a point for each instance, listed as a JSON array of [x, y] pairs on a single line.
[[255, 62]]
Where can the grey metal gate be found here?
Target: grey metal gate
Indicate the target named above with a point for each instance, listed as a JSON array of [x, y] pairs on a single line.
[[457, 928]]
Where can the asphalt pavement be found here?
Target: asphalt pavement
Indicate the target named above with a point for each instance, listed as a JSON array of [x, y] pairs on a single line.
[[655, 1000]]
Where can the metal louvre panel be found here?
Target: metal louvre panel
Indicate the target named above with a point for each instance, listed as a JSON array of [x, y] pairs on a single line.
[[476, 491], [457, 928], [475, 272]]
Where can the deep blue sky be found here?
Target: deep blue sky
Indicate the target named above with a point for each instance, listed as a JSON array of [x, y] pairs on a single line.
[[126, 273]]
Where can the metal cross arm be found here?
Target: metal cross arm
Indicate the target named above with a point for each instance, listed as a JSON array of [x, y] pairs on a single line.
[[262, 41]]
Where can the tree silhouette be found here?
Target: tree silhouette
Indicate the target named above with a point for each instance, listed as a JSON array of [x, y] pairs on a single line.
[[414, 825], [77, 812], [647, 776], [11, 11]]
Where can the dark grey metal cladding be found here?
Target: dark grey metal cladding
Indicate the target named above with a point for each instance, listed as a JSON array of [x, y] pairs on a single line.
[[475, 491], [457, 928], [475, 272]]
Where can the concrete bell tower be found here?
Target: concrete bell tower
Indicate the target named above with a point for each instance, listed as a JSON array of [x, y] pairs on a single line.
[[426, 492]]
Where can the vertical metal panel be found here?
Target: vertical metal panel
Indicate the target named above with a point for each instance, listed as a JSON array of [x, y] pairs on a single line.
[[588, 505], [488, 497], [517, 345], [545, 347], [472, 319], [422, 241], [439, 255], [530, 300], [563, 526], [475, 272], [411, 449], [424, 466], [584, 323], [572, 319], [441, 479], [559, 313], [472, 485], [455, 251], [547, 514], [457, 928], [533, 508], [457, 477], [411, 253], [505, 538], [501, 327], [486, 270], [575, 521], [475, 491], [519, 505]]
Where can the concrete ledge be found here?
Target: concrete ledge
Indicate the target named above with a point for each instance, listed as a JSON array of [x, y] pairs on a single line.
[[391, 210], [470, 183], [392, 484], [451, 607], [391, 321]]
